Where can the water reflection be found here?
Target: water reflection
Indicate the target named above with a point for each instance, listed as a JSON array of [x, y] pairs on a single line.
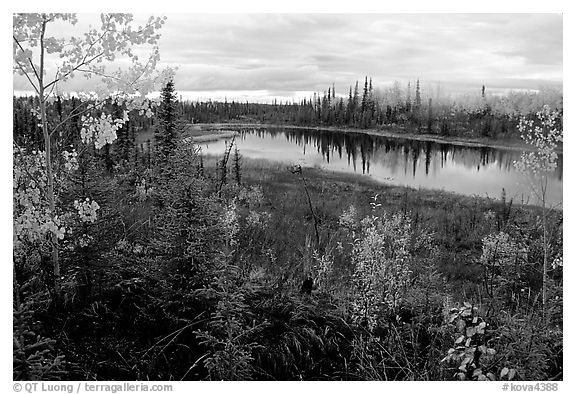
[[461, 169]]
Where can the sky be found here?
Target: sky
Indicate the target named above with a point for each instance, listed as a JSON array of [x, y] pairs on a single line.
[[259, 57]]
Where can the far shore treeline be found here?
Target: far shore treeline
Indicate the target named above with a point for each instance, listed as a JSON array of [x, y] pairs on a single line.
[[477, 114]]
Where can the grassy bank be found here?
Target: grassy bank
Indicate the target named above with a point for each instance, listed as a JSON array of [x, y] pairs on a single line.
[[458, 223]]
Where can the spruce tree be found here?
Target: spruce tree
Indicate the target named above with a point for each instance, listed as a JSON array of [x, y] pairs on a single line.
[[355, 100], [429, 127], [418, 100], [408, 99], [349, 107], [165, 134], [371, 101], [237, 166], [364, 96]]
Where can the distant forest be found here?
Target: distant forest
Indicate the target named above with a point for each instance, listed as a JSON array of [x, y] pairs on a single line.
[[474, 115], [479, 115]]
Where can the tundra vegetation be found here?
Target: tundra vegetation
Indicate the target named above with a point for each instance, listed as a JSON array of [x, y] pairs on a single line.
[[149, 261]]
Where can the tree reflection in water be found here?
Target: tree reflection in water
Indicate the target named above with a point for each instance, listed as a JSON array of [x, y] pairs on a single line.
[[402, 161]]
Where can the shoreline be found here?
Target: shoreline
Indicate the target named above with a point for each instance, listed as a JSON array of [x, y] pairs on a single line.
[[212, 137], [196, 133], [275, 169]]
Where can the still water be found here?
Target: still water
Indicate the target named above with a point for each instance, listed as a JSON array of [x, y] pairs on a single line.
[[482, 171]]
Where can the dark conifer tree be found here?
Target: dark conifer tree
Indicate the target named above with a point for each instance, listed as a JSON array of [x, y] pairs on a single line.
[[237, 167], [429, 115], [340, 114], [418, 99], [349, 107], [364, 96], [408, 99], [371, 102], [355, 102], [165, 134]]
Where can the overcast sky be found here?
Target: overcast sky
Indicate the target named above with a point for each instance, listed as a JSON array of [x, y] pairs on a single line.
[[255, 56]]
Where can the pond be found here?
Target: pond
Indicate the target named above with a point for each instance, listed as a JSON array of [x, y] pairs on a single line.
[[482, 171]]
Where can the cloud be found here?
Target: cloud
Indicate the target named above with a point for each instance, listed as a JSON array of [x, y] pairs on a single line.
[[309, 52]]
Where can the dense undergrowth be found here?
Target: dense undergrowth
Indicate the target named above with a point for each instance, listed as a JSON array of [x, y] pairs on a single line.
[[192, 272]]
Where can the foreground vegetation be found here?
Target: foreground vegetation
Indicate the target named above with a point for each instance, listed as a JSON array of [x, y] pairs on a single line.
[[190, 274]]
